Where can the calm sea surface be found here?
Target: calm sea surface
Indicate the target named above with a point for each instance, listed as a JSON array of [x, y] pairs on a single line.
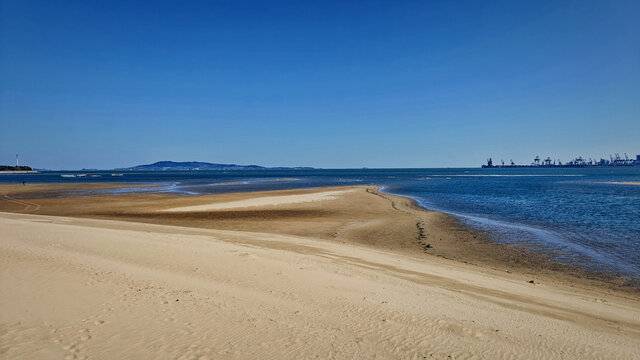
[[585, 216]]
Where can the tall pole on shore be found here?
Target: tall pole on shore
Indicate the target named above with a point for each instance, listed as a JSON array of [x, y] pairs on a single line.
[[17, 160]]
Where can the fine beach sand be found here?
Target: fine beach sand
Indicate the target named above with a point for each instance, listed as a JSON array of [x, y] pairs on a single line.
[[323, 273], [263, 201]]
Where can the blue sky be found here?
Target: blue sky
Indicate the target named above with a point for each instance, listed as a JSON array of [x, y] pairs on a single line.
[[317, 83]]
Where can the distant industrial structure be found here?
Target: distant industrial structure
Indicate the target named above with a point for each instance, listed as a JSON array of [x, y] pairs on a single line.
[[578, 162]]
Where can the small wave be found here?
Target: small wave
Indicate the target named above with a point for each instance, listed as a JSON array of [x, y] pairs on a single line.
[[511, 175], [536, 236], [545, 237], [230, 183], [632, 183]]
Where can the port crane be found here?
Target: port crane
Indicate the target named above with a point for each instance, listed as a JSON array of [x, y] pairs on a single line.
[[614, 160]]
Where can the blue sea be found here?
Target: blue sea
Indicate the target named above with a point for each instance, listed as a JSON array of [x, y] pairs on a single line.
[[583, 216]]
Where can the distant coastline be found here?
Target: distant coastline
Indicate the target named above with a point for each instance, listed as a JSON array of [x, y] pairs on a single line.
[[3, 172], [5, 169], [198, 165]]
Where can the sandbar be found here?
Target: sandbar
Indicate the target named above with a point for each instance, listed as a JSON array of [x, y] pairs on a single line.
[[347, 277], [263, 201]]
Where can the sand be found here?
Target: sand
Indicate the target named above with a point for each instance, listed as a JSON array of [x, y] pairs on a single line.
[[263, 201], [97, 288]]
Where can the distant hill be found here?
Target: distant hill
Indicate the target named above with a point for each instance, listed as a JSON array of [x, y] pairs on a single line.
[[198, 165]]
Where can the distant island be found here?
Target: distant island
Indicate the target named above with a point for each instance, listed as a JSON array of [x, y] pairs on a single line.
[[6, 169], [198, 165]]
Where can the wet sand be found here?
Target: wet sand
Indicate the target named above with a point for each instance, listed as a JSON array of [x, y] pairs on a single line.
[[349, 274]]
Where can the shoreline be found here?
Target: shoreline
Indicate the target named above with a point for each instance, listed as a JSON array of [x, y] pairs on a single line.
[[13, 172], [436, 233], [482, 250], [340, 272], [290, 274]]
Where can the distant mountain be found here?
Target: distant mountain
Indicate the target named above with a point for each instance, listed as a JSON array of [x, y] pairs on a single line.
[[198, 165]]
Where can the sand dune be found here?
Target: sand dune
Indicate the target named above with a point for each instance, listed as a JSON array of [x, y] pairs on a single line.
[[83, 288], [264, 201]]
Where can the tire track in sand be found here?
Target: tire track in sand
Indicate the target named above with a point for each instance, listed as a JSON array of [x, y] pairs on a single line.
[[28, 206]]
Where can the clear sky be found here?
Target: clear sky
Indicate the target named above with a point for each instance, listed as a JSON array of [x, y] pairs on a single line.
[[104, 84]]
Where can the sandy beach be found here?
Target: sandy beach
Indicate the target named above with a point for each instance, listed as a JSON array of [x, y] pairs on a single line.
[[322, 273]]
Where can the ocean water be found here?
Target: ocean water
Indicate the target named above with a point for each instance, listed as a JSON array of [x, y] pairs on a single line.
[[582, 216]]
